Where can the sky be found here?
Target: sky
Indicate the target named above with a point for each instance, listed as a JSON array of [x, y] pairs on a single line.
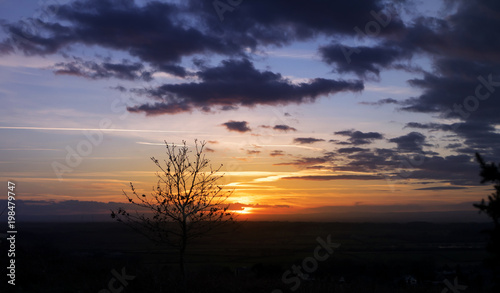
[[317, 110]]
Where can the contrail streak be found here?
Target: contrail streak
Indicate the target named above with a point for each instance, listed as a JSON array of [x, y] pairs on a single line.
[[90, 129]]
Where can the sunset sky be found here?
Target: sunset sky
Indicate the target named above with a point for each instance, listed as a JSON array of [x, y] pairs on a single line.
[[316, 109]]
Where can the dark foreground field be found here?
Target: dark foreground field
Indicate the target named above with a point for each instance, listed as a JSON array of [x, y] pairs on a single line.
[[257, 257]]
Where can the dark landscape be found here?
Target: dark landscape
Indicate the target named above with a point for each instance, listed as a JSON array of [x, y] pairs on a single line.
[[253, 257]]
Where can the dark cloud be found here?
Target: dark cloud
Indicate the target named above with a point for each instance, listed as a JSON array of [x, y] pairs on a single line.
[[475, 136], [277, 153], [283, 127], [454, 97], [229, 108], [358, 137], [156, 32], [283, 21], [238, 126], [369, 161], [361, 60], [161, 34], [408, 160], [239, 83], [429, 126], [465, 59], [479, 137], [400, 168], [307, 140], [93, 70], [411, 142], [456, 170], [253, 152], [160, 108], [463, 34], [351, 150], [280, 127], [382, 102], [464, 83], [304, 162]]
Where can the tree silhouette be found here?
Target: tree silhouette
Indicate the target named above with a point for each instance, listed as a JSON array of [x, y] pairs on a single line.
[[186, 202], [491, 173]]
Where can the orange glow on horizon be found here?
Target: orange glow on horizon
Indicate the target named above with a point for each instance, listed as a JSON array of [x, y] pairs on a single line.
[[245, 211]]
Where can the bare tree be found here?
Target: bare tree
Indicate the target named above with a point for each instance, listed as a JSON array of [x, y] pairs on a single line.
[[186, 202]]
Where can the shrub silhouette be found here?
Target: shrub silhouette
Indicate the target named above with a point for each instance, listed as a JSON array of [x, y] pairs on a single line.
[[491, 173]]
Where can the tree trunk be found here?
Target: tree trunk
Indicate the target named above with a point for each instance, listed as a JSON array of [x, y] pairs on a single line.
[[182, 256], [182, 260]]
